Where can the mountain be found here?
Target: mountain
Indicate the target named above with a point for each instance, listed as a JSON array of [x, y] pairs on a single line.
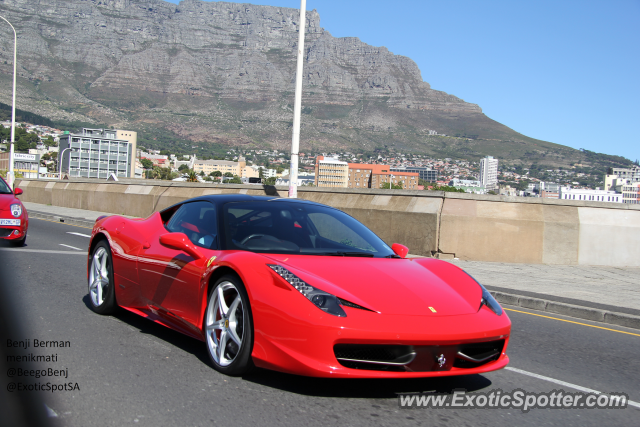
[[223, 73]]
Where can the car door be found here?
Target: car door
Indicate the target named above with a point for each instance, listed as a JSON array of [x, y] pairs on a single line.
[[170, 279]]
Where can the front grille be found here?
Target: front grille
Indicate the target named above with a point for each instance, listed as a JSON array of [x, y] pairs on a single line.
[[406, 358], [380, 353], [477, 354]]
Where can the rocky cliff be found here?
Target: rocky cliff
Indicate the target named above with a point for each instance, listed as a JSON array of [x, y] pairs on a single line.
[[224, 73]]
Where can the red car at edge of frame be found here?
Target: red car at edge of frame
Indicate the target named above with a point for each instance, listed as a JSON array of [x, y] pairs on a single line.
[[14, 219]]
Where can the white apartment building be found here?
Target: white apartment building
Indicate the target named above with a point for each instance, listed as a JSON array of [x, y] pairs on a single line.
[[568, 193], [98, 153], [632, 174], [631, 193], [489, 173]]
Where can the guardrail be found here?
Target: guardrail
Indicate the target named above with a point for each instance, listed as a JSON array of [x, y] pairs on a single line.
[[430, 223]]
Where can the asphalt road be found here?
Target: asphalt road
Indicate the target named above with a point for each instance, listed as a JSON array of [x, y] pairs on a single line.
[[132, 371]]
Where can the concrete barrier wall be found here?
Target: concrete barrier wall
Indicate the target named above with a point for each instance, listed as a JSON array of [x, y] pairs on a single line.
[[430, 223]]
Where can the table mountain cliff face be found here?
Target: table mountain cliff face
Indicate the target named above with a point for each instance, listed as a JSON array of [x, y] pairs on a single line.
[[225, 72]]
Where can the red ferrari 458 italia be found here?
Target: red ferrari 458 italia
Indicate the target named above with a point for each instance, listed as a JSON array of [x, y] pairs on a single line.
[[297, 287], [14, 220]]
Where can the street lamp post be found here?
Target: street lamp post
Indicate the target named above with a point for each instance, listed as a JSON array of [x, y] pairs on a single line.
[[295, 140], [10, 176], [60, 157]]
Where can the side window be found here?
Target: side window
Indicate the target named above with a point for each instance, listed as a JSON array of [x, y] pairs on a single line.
[[332, 229], [198, 221]]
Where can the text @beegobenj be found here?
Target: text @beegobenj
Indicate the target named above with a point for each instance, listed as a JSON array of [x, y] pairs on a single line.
[[37, 365]]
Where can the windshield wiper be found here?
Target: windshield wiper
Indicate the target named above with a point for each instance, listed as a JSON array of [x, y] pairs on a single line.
[[340, 253], [393, 256]]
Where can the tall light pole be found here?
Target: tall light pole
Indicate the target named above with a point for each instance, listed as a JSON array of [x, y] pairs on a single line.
[[60, 157], [295, 141], [10, 176]]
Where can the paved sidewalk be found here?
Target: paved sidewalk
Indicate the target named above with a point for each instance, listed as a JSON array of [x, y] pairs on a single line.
[[604, 294], [592, 286]]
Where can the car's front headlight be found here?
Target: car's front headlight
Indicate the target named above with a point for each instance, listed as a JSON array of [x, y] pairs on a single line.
[[16, 210], [487, 299], [321, 299]]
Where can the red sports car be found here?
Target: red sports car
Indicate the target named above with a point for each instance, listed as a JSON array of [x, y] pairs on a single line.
[[297, 287], [14, 220]]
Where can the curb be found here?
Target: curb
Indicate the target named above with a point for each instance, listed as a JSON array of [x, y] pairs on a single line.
[[594, 314], [62, 219]]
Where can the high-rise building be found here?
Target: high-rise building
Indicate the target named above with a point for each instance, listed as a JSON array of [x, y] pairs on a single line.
[[98, 153], [489, 173]]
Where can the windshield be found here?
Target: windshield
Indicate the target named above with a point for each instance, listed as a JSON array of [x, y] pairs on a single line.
[[4, 188], [278, 226]]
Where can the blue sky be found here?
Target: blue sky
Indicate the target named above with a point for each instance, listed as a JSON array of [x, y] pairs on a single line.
[[562, 71]]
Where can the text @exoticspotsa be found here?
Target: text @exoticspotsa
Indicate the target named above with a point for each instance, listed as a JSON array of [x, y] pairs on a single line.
[[36, 365]]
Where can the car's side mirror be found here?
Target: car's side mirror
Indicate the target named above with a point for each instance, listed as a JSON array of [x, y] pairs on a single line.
[[17, 191], [400, 250], [180, 242]]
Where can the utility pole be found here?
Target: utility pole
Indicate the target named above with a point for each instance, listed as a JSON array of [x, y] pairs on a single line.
[[295, 141], [10, 174]]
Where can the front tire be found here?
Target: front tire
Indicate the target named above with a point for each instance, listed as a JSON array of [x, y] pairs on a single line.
[[228, 327], [101, 281]]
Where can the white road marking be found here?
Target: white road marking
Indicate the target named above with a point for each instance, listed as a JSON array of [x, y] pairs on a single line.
[[41, 251], [72, 247], [78, 234], [564, 383]]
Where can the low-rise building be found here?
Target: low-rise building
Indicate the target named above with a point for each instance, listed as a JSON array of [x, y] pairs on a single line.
[[425, 174], [363, 175], [568, 193], [26, 164], [238, 168]]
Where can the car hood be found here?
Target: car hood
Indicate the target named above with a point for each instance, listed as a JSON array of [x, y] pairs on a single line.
[[391, 286], [6, 200]]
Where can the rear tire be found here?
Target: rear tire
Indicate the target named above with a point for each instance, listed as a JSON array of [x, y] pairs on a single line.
[[228, 327], [101, 282]]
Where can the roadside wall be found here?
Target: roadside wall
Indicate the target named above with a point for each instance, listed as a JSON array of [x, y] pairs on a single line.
[[430, 223]]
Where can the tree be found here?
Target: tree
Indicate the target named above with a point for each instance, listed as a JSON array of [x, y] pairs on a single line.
[[215, 173], [192, 176], [397, 186], [229, 174], [270, 181], [447, 188], [146, 163], [49, 142], [183, 168]]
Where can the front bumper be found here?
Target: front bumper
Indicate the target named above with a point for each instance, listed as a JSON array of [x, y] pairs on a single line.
[[308, 346]]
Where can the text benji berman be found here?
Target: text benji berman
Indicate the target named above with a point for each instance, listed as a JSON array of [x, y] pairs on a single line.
[[25, 344]]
